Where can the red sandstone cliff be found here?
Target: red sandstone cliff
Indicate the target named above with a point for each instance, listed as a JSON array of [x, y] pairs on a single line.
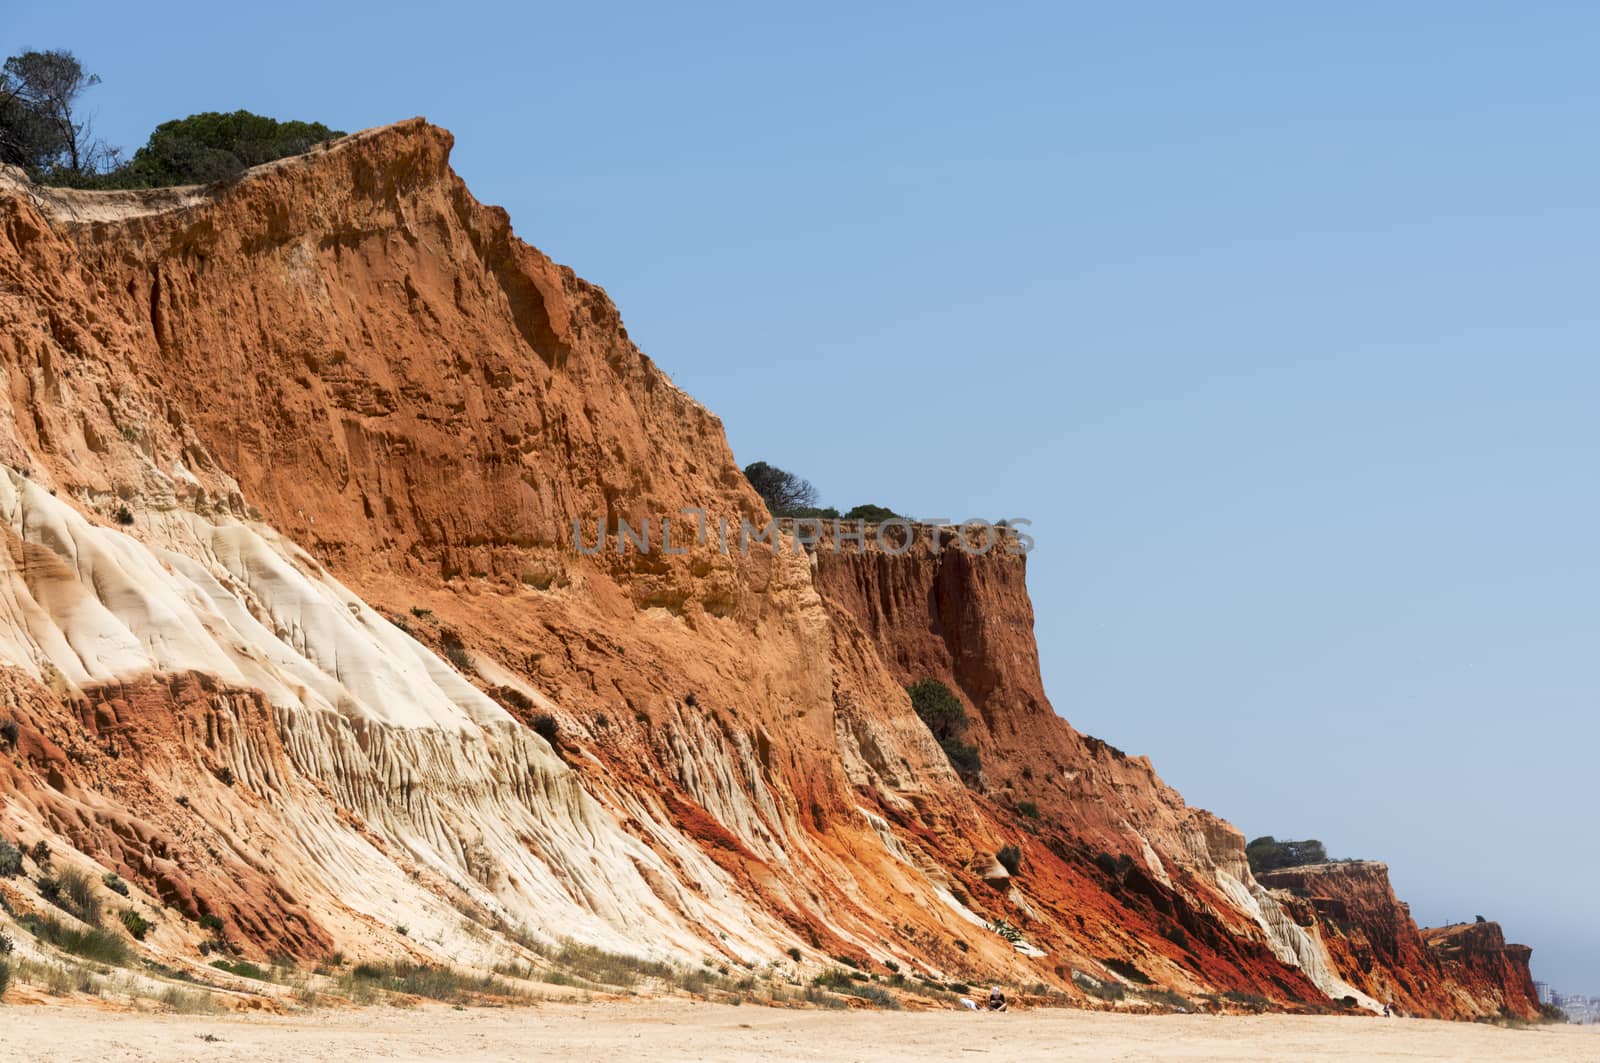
[[295, 634], [1461, 972]]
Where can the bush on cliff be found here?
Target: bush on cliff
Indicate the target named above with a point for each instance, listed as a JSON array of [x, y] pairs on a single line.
[[96, 943], [72, 892], [10, 860], [938, 707], [45, 131], [136, 925], [963, 756], [871, 514], [213, 146], [1268, 854]]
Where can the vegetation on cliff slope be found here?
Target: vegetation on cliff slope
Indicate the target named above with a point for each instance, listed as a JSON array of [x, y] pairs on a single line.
[[938, 707], [1269, 854], [44, 131]]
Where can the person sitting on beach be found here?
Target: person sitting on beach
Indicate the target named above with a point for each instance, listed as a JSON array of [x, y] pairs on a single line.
[[997, 999]]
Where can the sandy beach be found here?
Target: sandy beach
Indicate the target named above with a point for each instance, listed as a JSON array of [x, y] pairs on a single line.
[[668, 1030]]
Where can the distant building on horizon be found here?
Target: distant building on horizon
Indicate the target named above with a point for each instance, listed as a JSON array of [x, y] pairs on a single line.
[[1543, 991]]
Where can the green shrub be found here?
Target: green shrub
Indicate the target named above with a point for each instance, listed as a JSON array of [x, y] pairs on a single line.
[[5, 977], [211, 922], [9, 733], [1114, 866], [607, 968], [115, 884], [938, 707], [124, 515], [1268, 854], [434, 983], [40, 853], [872, 994], [185, 1002], [72, 891], [794, 953], [1010, 858], [871, 514], [10, 860], [832, 978], [94, 944], [849, 983], [963, 756], [242, 968], [814, 995], [136, 925], [1028, 808], [214, 146]]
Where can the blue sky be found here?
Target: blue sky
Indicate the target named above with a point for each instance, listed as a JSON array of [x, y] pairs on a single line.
[[1278, 320]]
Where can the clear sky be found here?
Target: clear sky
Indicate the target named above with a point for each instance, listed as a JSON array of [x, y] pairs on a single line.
[[1279, 320]]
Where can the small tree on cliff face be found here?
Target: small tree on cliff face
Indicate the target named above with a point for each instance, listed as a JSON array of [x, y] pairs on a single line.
[[784, 493], [938, 707]]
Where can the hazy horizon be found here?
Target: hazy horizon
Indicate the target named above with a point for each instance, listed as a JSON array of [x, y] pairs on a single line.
[[1277, 324]]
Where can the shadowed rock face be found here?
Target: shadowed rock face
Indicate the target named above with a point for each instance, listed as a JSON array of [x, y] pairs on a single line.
[[294, 633]]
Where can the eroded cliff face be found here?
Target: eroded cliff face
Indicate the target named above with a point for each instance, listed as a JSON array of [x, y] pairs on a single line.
[[1459, 972], [294, 632]]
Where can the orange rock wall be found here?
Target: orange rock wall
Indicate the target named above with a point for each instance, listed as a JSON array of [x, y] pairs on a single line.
[[349, 352]]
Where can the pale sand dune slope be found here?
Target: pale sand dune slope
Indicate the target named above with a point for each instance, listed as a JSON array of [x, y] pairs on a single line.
[[675, 1030]]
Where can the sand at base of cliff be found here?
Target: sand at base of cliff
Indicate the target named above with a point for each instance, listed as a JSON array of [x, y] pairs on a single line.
[[671, 1030]]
